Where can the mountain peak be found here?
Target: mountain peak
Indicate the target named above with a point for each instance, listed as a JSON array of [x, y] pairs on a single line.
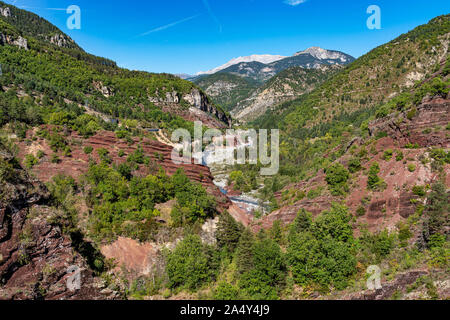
[[324, 54], [262, 58]]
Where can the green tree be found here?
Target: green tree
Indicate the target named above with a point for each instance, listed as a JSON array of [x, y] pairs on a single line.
[[373, 180], [244, 252], [189, 264], [337, 176], [268, 274], [323, 254], [226, 291], [436, 212], [228, 232]]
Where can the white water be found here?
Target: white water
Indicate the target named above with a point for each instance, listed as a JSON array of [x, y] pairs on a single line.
[[216, 158]]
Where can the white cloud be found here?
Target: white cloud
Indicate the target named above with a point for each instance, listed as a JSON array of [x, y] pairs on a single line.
[[294, 2]]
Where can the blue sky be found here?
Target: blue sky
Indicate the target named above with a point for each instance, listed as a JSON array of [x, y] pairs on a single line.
[[187, 36]]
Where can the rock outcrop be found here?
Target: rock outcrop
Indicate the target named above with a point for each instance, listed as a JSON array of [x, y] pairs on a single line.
[[78, 163], [395, 202], [422, 127], [104, 90], [6, 12], [61, 40], [18, 41], [388, 289], [36, 259], [196, 99]]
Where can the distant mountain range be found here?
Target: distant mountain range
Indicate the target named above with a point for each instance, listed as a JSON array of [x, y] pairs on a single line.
[[263, 67], [246, 85]]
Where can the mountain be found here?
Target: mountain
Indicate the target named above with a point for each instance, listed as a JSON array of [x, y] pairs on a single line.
[[372, 79], [184, 76], [317, 127], [263, 69], [85, 185], [287, 85], [332, 57], [39, 60], [226, 89], [264, 59], [78, 162], [243, 81]]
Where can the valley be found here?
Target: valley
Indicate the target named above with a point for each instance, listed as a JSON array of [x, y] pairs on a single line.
[[88, 180]]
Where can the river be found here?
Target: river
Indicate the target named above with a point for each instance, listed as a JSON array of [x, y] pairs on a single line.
[[215, 158]]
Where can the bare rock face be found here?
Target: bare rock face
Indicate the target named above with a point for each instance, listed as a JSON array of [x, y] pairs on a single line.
[[35, 256], [104, 90], [209, 229], [220, 87], [400, 284], [432, 113], [6, 12], [201, 108], [200, 101], [61, 40], [135, 257], [14, 41], [22, 43]]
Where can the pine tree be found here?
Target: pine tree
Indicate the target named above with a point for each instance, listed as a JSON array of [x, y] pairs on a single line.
[[437, 207], [228, 232], [244, 252], [276, 233]]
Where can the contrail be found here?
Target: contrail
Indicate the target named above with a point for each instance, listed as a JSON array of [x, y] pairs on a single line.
[[211, 13], [167, 26], [36, 8]]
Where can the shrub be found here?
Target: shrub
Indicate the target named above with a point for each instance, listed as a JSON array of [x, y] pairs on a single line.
[[411, 113], [399, 156], [419, 191], [354, 165], [440, 156], [137, 156], [381, 134], [337, 176], [411, 167], [314, 193], [379, 244], [6, 171], [387, 156], [55, 158], [125, 171], [412, 146], [122, 134], [40, 154], [374, 182], [30, 161], [190, 265], [404, 234], [88, 150], [57, 142], [104, 155], [226, 291], [361, 211]]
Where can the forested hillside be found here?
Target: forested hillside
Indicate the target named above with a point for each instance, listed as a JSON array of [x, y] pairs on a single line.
[[353, 96], [289, 84], [45, 79]]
